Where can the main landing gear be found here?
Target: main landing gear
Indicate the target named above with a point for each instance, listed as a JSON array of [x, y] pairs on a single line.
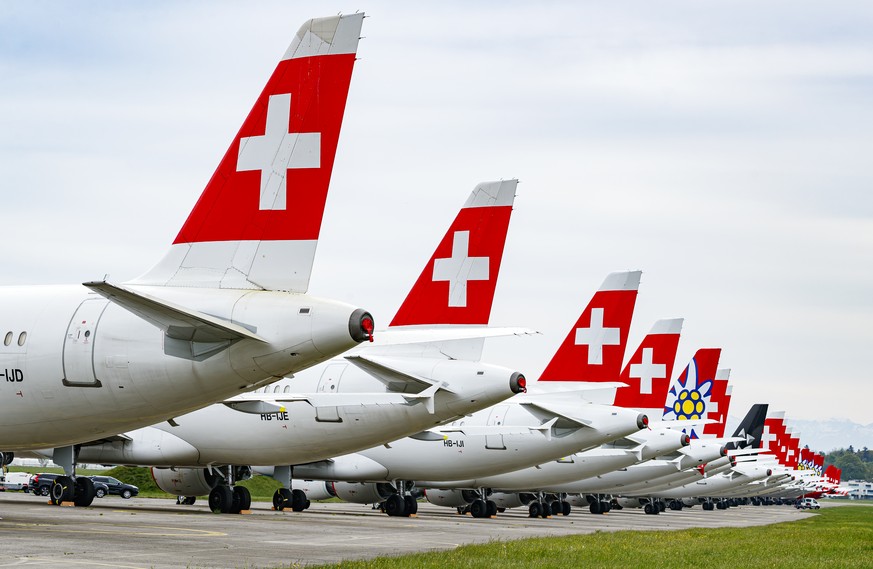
[[287, 498], [549, 505], [226, 498], [70, 488], [599, 504], [402, 504]]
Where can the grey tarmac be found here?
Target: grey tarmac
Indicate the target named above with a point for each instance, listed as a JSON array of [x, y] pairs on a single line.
[[144, 533]]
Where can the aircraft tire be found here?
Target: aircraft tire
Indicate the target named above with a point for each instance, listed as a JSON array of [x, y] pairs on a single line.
[[565, 508], [299, 501], [479, 508], [84, 492], [411, 505], [395, 506], [594, 507], [491, 507], [282, 499], [62, 490], [534, 510], [221, 499]]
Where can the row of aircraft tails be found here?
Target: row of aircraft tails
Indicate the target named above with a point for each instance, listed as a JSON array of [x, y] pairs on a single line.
[[216, 364]]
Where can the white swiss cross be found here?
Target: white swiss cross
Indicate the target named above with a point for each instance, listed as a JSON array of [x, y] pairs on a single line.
[[276, 151], [646, 371], [460, 268], [767, 438], [596, 337]]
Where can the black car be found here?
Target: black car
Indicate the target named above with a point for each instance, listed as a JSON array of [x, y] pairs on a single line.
[[114, 486], [41, 484]]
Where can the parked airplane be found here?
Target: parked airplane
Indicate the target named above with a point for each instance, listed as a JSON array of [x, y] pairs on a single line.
[[658, 346], [225, 311], [525, 431], [382, 392]]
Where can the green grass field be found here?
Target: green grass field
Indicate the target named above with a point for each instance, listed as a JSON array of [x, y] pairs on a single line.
[[836, 537]]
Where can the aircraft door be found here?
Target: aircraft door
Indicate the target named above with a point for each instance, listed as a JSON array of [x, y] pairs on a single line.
[[496, 419], [329, 383], [79, 344]]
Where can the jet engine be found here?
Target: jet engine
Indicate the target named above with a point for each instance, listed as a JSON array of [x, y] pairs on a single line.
[[451, 498], [363, 493], [185, 481], [314, 489], [512, 500]]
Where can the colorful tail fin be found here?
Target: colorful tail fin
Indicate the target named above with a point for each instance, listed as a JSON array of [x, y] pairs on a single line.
[[256, 225], [457, 284], [649, 370], [594, 348], [690, 395]]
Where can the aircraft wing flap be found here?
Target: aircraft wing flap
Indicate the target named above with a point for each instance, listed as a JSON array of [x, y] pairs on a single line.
[[176, 321]]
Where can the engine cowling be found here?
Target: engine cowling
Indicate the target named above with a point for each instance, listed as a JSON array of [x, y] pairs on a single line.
[[185, 481], [362, 493], [314, 489], [451, 498], [512, 500]]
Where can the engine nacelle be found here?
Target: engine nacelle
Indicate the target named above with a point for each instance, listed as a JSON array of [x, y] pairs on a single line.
[[451, 498], [512, 500], [314, 489], [630, 502], [362, 493], [185, 481]]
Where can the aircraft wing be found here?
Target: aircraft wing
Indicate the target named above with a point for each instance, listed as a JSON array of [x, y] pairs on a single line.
[[547, 412], [176, 321]]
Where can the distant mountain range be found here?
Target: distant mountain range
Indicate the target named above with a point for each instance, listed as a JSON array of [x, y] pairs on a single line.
[[832, 434], [825, 435]]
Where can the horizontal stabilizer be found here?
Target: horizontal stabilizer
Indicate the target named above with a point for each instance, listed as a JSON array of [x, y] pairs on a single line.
[[674, 424], [391, 376], [547, 412], [400, 335], [259, 403], [176, 322]]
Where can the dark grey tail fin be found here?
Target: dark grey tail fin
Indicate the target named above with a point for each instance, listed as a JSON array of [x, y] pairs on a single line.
[[751, 428]]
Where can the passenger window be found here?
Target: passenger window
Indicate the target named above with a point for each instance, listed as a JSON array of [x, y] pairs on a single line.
[[276, 389], [8, 339], [287, 389], [22, 338]]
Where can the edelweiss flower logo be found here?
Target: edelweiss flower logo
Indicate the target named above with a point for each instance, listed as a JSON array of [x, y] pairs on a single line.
[[688, 397]]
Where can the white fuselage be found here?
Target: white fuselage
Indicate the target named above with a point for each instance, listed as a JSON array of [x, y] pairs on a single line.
[[585, 464], [459, 457], [78, 367], [304, 432]]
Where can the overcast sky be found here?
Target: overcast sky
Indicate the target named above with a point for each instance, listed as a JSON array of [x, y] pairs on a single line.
[[725, 149]]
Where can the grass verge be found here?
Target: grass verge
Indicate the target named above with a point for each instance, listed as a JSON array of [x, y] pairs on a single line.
[[836, 537]]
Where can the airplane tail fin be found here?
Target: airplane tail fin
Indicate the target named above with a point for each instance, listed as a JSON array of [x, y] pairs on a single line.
[[690, 395], [719, 404], [257, 222], [594, 348], [457, 285], [751, 428], [648, 372]]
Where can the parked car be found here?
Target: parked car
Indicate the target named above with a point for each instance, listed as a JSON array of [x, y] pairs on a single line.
[[114, 486], [15, 481], [808, 504], [41, 483]]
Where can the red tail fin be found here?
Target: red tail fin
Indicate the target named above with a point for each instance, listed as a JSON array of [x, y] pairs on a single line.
[[649, 370], [457, 284], [594, 348], [719, 404], [257, 222]]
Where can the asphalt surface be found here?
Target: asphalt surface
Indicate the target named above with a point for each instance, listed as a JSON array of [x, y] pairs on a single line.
[[144, 533]]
